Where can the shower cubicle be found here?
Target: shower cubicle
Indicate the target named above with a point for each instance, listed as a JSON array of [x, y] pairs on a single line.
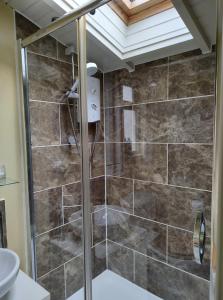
[[120, 165]]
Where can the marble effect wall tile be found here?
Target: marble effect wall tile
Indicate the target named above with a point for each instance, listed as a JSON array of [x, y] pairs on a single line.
[[119, 124], [171, 205], [99, 226], [180, 253], [185, 121], [44, 119], [45, 46], [48, 209], [190, 165], [192, 77], [137, 161], [58, 246], [49, 79], [167, 282], [138, 234], [97, 166], [74, 268], [120, 260], [148, 83], [72, 198], [54, 283], [120, 193], [55, 166]]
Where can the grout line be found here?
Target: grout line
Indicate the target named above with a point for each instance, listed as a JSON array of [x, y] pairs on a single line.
[[58, 227], [159, 183], [150, 220], [133, 196], [134, 268], [62, 204], [63, 185], [159, 261], [167, 242], [46, 102], [161, 101], [50, 57], [65, 283], [160, 143], [167, 164], [60, 125], [73, 258]]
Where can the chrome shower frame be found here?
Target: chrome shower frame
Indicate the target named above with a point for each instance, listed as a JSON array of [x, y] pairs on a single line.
[[216, 290]]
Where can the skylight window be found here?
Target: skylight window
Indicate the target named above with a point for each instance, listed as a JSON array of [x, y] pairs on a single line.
[[132, 11]]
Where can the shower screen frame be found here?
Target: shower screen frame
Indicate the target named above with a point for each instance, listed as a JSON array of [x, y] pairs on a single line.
[[216, 288]]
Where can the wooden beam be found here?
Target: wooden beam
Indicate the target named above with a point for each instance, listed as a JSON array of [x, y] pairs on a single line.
[[193, 25], [130, 18], [151, 11]]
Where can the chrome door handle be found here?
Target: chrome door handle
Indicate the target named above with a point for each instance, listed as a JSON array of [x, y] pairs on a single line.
[[199, 237]]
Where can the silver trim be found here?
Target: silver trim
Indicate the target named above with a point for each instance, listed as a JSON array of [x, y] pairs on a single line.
[[25, 81], [63, 21], [199, 237], [85, 162], [216, 287]]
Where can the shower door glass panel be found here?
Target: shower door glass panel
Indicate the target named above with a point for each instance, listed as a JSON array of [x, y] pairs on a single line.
[[151, 169], [56, 159]]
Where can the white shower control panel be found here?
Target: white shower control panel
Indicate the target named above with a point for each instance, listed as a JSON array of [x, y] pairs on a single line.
[[93, 98]]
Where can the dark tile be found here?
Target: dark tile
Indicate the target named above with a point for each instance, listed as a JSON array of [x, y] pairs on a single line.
[[44, 120], [58, 246], [97, 193], [120, 260], [48, 79], [192, 77], [148, 83], [70, 129], [119, 124], [54, 283], [98, 257], [138, 234], [45, 46], [171, 205], [74, 268], [120, 193], [138, 161], [62, 56], [185, 55], [74, 275], [72, 213], [180, 253], [114, 83], [167, 282], [99, 226], [72, 194], [185, 121], [97, 159], [54, 166], [190, 165], [72, 198], [151, 81], [48, 209]]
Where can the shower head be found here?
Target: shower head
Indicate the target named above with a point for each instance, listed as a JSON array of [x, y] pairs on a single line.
[[91, 69]]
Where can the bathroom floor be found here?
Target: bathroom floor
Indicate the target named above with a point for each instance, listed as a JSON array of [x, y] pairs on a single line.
[[110, 286]]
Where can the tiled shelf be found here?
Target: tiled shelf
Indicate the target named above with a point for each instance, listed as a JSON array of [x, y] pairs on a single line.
[[7, 181]]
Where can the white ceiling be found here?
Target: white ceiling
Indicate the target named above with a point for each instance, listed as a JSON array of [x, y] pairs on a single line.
[[106, 56]]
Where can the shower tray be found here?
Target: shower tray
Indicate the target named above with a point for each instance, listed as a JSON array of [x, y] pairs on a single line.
[[109, 286]]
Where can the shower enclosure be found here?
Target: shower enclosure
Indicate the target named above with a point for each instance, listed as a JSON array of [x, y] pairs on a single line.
[[120, 186]]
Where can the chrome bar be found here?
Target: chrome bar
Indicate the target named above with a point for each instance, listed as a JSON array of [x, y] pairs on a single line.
[[25, 82], [216, 288], [63, 21], [85, 161], [199, 237]]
